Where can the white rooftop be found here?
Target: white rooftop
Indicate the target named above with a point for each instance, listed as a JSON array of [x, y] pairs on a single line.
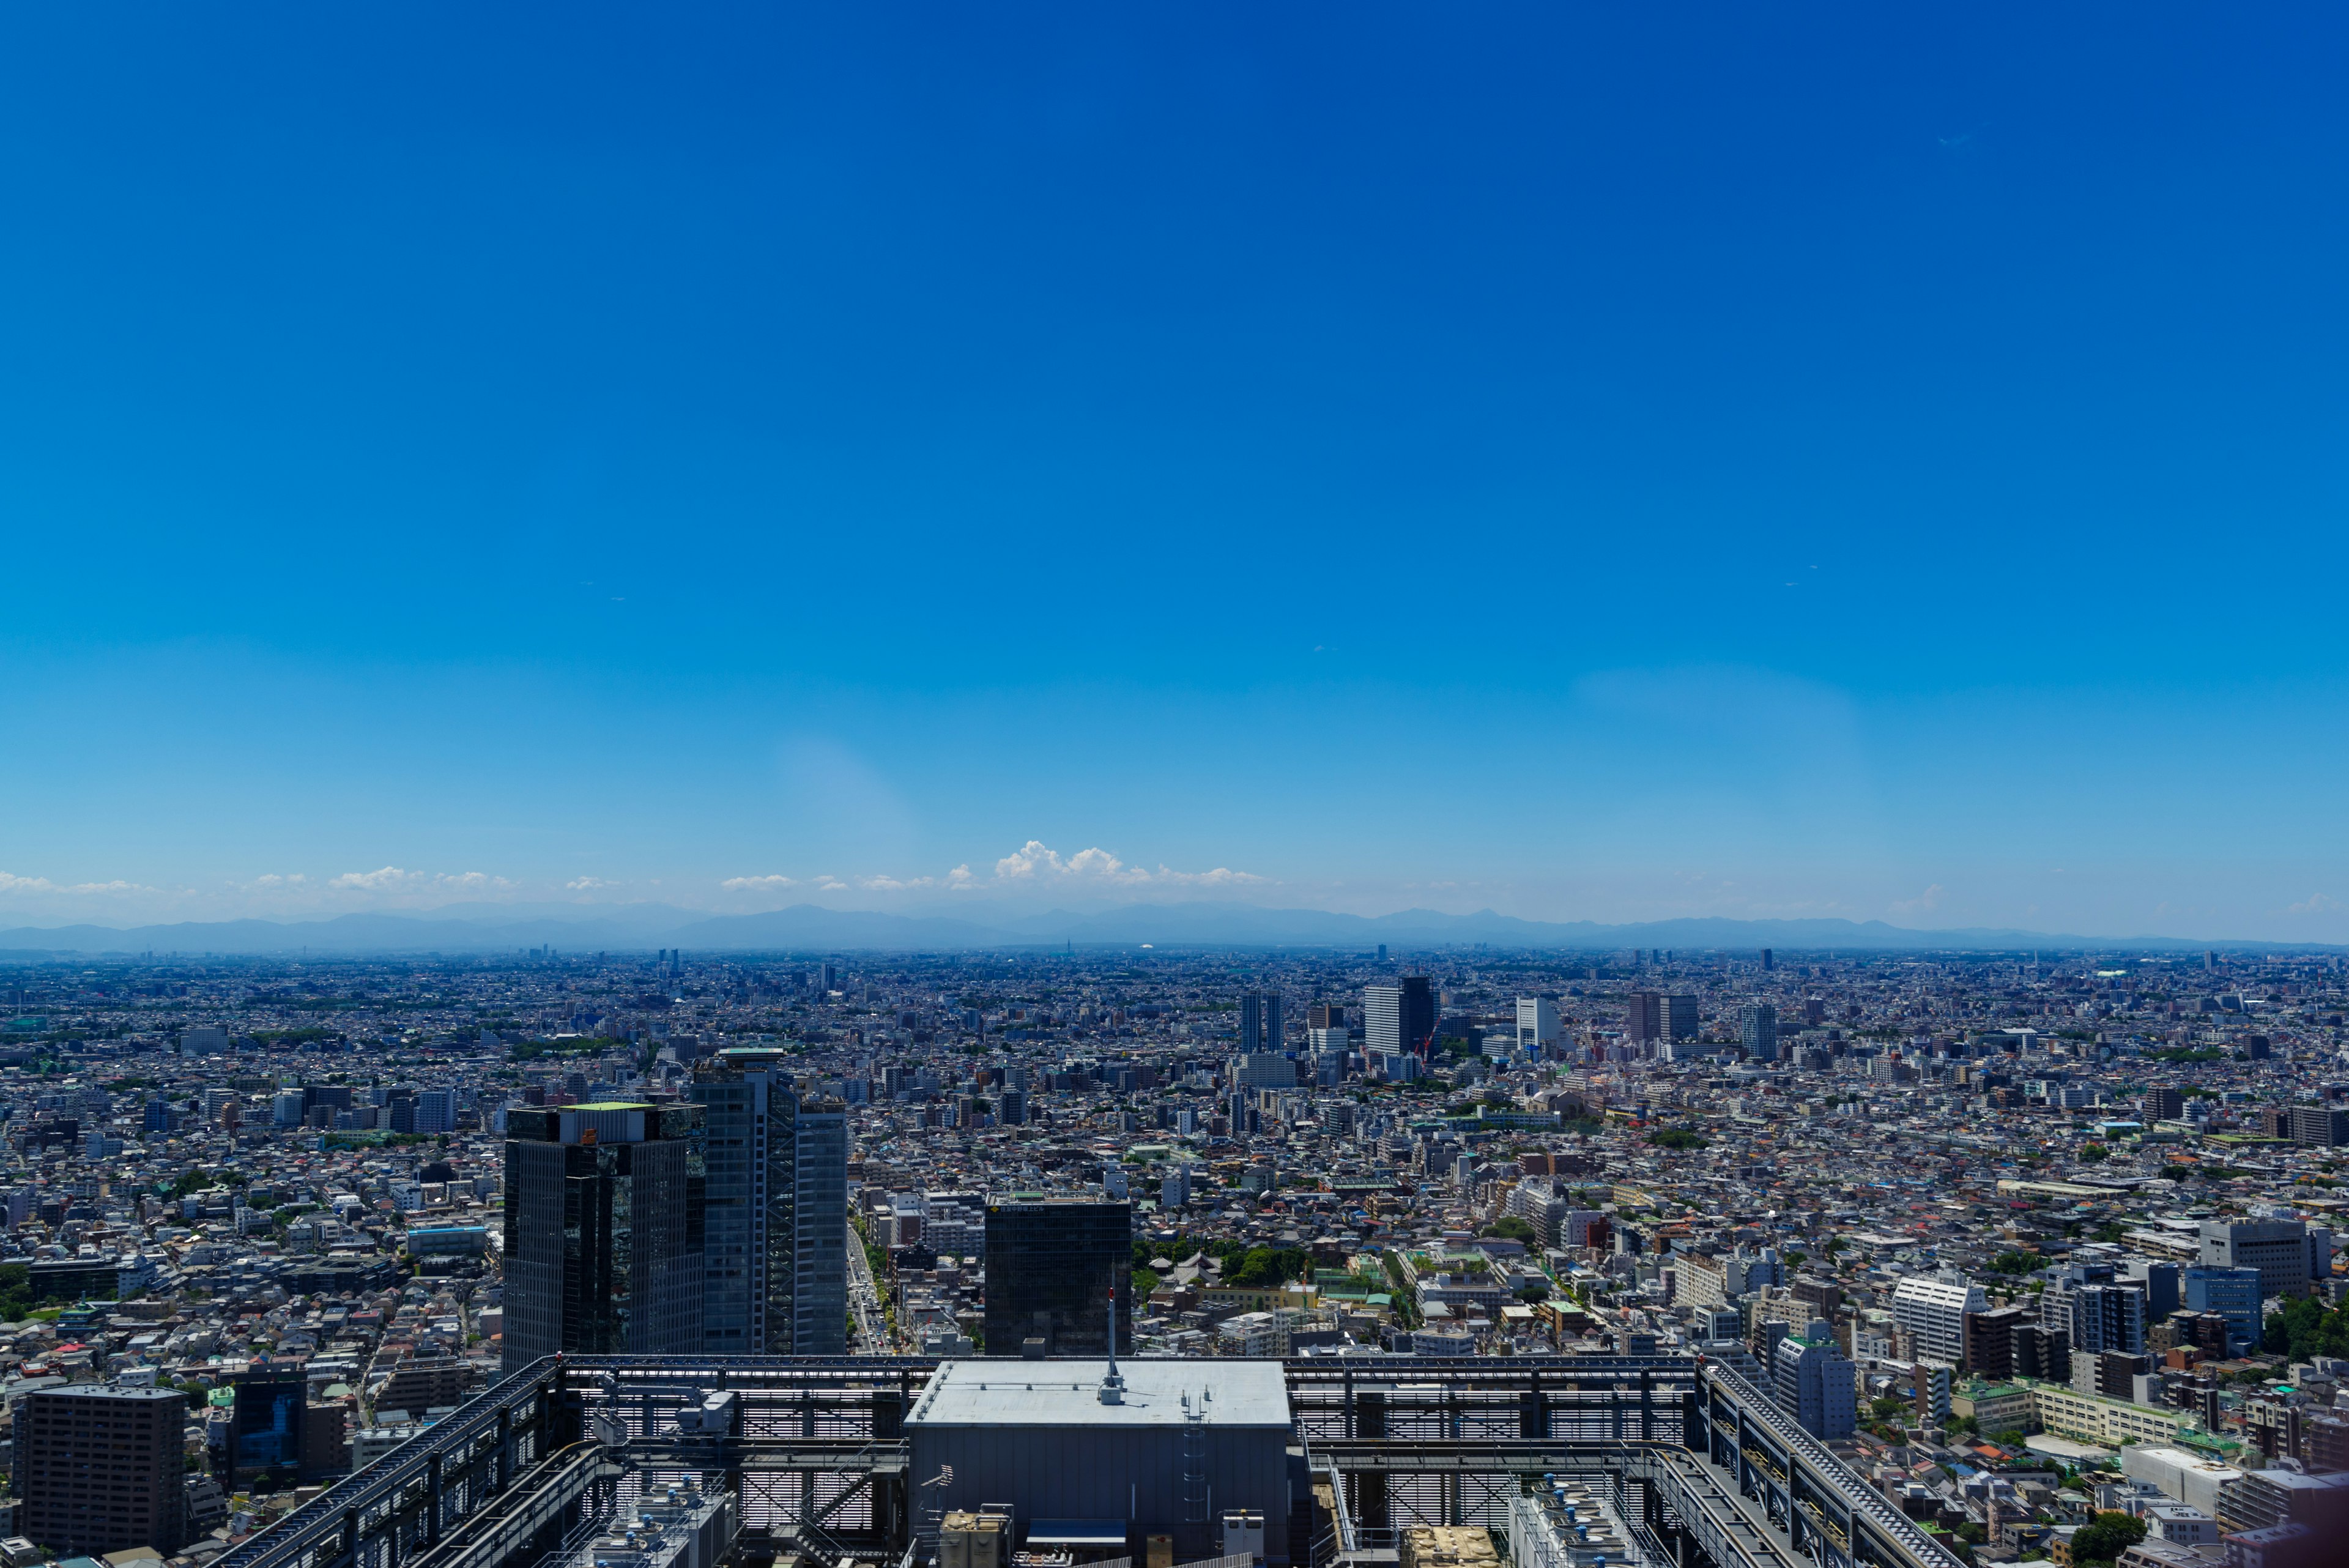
[[1010, 1393]]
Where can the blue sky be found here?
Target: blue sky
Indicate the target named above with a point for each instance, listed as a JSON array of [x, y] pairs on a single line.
[[1586, 463]]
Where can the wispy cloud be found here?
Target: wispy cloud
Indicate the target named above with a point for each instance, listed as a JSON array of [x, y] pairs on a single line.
[[587, 884], [758, 884], [14, 884], [1924, 903], [2314, 904]]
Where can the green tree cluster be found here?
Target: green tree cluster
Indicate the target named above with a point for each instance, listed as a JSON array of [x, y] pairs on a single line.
[[2104, 1538], [2306, 1329]]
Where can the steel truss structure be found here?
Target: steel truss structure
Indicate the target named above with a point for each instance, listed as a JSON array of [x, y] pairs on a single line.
[[1704, 1468]]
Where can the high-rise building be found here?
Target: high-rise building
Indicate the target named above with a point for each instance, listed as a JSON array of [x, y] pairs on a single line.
[[603, 1207], [1398, 1018], [2159, 1280], [1934, 1311], [266, 1423], [1053, 1266], [1814, 1384], [1678, 1015], [1326, 1015], [1989, 1341], [1260, 1024], [2095, 1317], [1758, 1029], [436, 1111], [2235, 1295], [1263, 1070], [2164, 1104], [1536, 1022], [775, 1242], [2284, 1251], [2041, 1351], [99, 1470], [1767, 960], [2320, 1127], [1643, 1016]]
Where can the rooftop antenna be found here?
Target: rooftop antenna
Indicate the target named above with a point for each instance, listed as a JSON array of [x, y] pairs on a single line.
[[1113, 1386]]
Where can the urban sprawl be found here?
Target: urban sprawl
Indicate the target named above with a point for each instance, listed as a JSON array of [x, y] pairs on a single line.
[[2041, 1245]]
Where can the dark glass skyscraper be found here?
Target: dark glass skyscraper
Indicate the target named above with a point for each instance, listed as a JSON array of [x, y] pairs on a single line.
[[1260, 1021], [1053, 1265], [775, 1267], [603, 1230]]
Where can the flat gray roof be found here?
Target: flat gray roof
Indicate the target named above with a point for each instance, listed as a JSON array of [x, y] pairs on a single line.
[[1010, 1393]]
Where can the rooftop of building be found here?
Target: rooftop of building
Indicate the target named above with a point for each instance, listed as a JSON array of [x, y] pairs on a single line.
[[1010, 1393]]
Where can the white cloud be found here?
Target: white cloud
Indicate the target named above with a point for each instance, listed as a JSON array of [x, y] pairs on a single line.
[[1923, 903], [378, 880], [758, 884], [391, 878], [1036, 861], [587, 884], [271, 880], [2314, 904]]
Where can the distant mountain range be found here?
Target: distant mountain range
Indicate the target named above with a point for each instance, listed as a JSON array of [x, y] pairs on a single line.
[[490, 928]]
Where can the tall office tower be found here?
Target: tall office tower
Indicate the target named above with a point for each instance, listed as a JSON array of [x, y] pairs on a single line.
[[436, 1111], [1643, 1016], [1934, 1311], [1398, 1018], [1326, 1015], [1260, 1028], [603, 1230], [1678, 1015], [2164, 1104], [1418, 1013], [1383, 952], [775, 1272], [1536, 1022], [1757, 1028], [827, 977], [1766, 960], [1053, 1265], [99, 1470]]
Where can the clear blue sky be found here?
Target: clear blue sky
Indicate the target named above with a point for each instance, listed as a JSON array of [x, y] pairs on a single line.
[[1602, 462]]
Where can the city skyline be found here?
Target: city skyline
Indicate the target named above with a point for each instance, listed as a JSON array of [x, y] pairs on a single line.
[[1608, 468]]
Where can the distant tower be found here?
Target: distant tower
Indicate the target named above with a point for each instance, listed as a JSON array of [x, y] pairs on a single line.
[[1766, 960], [1260, 1021], [1643, 1016]]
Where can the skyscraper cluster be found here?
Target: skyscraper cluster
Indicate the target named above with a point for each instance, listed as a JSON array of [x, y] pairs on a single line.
[[719, 1225]]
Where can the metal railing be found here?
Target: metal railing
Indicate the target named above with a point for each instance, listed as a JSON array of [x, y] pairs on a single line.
[[1827, 1470]]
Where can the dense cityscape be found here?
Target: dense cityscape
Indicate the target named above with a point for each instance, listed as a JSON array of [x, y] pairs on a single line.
[[2028, 1240]]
